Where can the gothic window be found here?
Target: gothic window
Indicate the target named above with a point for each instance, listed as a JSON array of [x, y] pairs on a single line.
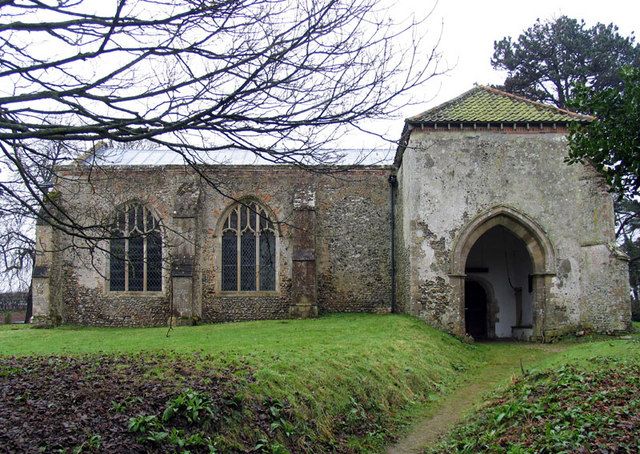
[[135, 260], [248, 250]]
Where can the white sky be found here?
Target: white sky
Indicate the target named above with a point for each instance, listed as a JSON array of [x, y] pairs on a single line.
[[470, 27]]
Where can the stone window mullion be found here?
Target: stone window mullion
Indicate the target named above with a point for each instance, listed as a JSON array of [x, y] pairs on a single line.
[[239, 249], [136, 236], [256, 235], [144, 252], [126, 252]]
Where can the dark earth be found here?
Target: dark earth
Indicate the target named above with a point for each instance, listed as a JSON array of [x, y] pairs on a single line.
[[83, 404]]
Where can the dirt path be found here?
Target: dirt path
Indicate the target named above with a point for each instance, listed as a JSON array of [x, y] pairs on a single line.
[[503, 363]]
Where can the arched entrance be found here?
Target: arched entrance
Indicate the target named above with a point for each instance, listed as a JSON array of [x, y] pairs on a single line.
[[501, 261], [510, 255]]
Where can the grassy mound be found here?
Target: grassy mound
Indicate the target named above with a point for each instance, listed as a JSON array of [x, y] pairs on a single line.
[[337, 383], [586, 400]]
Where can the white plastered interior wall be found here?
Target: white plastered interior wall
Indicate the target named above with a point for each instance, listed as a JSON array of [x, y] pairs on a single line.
[[508, 265]]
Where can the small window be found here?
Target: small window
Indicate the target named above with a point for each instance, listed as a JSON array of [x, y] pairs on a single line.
[[135, 262], [248, 250]]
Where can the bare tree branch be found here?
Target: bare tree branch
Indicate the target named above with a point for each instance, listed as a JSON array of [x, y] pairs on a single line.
[[278, 78]]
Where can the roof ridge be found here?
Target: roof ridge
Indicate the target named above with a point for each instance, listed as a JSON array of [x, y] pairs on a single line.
[[446, 104], [571, 113], [485, 104]]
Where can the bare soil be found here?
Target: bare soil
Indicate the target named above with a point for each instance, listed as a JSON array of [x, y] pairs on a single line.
[[52, 404]]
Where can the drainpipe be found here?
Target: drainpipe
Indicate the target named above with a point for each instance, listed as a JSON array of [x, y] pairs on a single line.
[[393, 184]]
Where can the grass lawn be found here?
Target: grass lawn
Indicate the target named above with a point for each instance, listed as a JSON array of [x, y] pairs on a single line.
[[344, 379], [392, 355], [258, 338], [343, 383], [583, 352]]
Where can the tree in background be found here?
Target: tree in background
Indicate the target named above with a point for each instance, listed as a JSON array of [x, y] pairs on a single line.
[[628, 222], [612, 144], [550, 57], [612, 141]]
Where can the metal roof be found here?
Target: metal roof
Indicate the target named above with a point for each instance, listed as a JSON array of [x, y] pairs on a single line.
[[122, 156], [484, 104]]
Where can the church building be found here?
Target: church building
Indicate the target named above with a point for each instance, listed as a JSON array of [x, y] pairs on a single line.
[[476, 225]]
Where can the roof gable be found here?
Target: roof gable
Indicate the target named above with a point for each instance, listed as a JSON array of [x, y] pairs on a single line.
[[484, 104]]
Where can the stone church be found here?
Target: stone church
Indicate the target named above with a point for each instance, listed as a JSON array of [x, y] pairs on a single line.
[[477, 226]]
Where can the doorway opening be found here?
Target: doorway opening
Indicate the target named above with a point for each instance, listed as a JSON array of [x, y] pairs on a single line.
[[498, 289], [475, 310]]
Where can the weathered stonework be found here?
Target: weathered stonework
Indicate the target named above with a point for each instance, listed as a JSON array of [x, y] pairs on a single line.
[[517, 179], [354, 242], [316, 267], [491, 203], [303, 291]]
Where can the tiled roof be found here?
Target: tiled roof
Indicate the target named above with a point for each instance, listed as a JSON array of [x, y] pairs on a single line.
[[484, 104]]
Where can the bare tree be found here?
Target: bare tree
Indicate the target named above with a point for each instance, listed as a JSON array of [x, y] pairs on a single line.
[[280, 78], [18, 205]]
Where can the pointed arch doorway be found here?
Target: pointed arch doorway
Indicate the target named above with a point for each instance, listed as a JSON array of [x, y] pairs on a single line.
[[503, 258]]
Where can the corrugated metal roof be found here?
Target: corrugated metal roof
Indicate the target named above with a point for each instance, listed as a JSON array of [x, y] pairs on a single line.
[[119, 156], [489, 105]]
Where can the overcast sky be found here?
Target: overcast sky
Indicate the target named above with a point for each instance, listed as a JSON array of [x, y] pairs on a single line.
[[469, 29]]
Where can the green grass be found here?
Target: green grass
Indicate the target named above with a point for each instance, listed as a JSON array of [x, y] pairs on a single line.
[[585, 352], [584, 397], [563, 409], [333, 372], [372, 350], [328, 369]]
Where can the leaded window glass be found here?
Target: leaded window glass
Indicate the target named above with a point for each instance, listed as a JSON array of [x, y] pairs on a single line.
[[248, 250], [135, 261]]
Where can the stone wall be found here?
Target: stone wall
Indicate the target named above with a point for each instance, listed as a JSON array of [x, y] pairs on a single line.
[[354, 242], [402, 255], [350, 243], [79, 270], [450, 178]]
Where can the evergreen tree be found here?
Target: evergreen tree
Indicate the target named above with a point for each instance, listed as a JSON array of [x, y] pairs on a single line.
[[612, 143], [550, 57]]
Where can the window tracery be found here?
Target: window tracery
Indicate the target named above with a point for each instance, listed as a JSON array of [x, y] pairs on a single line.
[[248, 250], [135, 262]]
